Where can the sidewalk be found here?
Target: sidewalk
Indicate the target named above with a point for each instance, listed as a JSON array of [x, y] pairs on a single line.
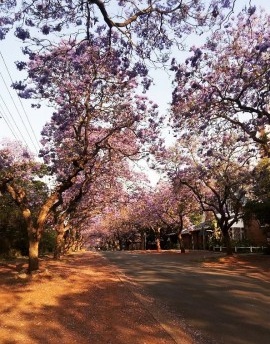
[[77, 300]]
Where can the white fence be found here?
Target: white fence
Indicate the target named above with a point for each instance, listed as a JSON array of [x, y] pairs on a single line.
[[251, 249]]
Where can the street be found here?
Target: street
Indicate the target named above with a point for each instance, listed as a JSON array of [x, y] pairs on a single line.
[[222, 307]]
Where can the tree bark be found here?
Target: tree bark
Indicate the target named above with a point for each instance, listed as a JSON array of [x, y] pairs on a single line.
[[35, 231], [157, 234], [227, 241], [181, 243], [143, 240], [33, 262], [59, 244], [179, 234]]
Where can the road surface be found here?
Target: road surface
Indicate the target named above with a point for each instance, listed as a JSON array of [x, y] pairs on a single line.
[[223, 308]]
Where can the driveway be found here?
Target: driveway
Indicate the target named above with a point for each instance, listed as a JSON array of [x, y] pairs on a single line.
[[216, 305]]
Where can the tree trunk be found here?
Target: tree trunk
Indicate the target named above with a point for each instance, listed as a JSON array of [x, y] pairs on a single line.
[[33, 254], [227, 241], [179, 234], [157, 234], [143, 240], [121, 244], [181, 243], [59, 244]]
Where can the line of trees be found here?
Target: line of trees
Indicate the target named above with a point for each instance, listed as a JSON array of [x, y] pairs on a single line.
[[95, 75]]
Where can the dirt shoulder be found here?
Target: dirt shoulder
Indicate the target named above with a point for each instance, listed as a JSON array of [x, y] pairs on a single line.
[[77, 300], [84, 299], [252, 265]]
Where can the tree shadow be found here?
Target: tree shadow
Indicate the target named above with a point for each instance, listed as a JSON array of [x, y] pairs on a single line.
[[79, 300], [228, 305]]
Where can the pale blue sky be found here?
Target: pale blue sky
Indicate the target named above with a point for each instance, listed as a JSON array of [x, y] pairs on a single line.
[[15, 114]]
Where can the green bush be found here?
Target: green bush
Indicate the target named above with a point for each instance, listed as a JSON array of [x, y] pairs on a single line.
[[47, 242]]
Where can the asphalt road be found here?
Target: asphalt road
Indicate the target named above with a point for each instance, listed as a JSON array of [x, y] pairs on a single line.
[[229, 309]]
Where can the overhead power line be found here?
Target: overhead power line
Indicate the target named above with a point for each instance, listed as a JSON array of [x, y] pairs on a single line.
[[13, 120], [9, 125], [35, 144]]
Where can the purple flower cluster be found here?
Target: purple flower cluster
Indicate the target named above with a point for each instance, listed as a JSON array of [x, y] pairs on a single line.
[[22, 33]]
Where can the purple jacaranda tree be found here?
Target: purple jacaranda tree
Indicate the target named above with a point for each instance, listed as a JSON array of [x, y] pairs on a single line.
[[92, 197], [218, 173], [162, 210], [20, 177], [226, 81], [117, 216], [99, 116], [146, 26], [148, 215], [176, 207], [158, 210]]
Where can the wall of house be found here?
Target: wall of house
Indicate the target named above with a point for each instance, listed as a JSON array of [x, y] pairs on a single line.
[[254, 233]]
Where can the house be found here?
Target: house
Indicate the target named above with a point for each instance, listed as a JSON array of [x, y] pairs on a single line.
[[198, 238], [258, 235], [204, 235]]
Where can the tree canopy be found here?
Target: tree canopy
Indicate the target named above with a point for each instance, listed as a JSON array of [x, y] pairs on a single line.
[[146, 26], [226, 81], [90, 62]]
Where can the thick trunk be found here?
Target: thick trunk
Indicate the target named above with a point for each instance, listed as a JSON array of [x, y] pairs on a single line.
[[181, 243], [33, 254], [59, 245], [179, 234], [34, 232], [121, 245], [143, 240], [227, 242], [157, 232], [70, 241]]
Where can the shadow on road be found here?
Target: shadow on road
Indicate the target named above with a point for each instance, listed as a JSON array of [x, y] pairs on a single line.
[[78, 300], [227, 305]]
